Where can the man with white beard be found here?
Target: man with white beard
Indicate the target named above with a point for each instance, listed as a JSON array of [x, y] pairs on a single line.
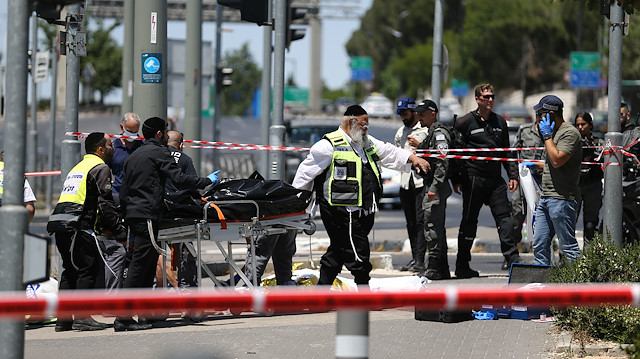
[[344, 170]]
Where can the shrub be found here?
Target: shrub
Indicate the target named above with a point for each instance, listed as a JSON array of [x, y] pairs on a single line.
[[601, 262]]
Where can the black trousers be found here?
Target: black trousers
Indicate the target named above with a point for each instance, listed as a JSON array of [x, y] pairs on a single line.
[[346, 231], [411, 200], [80, 260], [476, 192], [142, 269]]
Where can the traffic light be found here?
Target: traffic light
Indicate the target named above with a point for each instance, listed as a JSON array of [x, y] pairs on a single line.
[[250, 10], [223, 79], [294, 13], [50, 9]]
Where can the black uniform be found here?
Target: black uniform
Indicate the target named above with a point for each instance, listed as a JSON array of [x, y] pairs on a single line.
[[590, 188], [483, 184], [145, 174]]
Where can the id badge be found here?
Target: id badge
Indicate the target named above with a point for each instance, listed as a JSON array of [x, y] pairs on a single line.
[[340, 173]]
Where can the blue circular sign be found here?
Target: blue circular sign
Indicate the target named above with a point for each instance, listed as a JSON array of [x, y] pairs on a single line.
[[152, 65]]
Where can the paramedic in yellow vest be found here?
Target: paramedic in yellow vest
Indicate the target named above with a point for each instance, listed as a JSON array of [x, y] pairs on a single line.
[[85, 209], [344, 170], [29, 197]]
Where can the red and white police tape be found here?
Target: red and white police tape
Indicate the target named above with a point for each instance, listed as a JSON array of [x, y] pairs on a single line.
[[148, 302]]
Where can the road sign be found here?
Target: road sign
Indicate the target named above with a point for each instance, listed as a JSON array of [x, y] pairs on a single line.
[[151, 68], [361, 75], [361, 62], [42, 66], [459, 88], [585, 70]]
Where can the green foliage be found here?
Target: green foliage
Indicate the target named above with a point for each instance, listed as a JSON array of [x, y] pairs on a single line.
[[601, 262], [246, 78], [105, 55], [333, 95]]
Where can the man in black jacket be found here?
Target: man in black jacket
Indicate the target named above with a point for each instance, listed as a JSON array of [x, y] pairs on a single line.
[[85, 207], [145, 174], [483, 183]]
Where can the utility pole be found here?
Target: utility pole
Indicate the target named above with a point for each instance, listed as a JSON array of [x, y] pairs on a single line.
[[436, 68], [70, 145], [32, 153], [276, 131], [127, 57], [613, 174], [150, 54], [217, 100], [265, 94], [13, 214], [315, 80], [193, 79], [52, 124]]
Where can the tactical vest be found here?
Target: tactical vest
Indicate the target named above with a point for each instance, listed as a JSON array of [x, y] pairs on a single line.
[[343, 185], [66, 215]]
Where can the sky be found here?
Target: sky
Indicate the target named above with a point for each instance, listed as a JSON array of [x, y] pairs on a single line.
[[335, 34]]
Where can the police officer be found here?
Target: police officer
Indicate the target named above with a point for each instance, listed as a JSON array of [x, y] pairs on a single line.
[[344, 170], [630, 133], [141, 197], [437, 190], [483, 184], [411, 191], [527, 136], [85, 200]]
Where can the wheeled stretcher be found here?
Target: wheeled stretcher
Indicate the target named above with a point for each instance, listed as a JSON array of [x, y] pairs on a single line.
[[219, 230]]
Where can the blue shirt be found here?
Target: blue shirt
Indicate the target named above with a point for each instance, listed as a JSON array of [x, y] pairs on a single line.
[[120, 153]]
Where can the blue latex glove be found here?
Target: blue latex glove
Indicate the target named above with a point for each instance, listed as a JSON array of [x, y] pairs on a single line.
[[530, 165], [213, 177], [546, 127]]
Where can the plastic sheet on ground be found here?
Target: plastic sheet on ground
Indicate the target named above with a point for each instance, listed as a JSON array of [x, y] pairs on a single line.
[[47, 289]]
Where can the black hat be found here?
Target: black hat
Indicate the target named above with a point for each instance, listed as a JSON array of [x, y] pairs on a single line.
[[355, 110], [549, 102], [425, 105], [153, 125]]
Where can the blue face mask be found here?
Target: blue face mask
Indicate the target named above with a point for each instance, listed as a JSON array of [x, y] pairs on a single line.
[[127, 133]]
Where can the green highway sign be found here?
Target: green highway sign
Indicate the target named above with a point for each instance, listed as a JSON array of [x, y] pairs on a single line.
[[581, 60], [361, 62]]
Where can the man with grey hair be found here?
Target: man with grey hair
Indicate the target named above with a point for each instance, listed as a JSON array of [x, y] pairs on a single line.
[[115, 253]]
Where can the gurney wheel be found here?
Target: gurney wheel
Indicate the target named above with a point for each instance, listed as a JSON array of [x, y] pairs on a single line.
[[312, 227]]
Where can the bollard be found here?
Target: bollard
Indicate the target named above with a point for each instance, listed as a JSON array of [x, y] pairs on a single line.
[[352, 334]]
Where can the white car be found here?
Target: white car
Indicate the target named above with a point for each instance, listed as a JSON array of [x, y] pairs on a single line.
[[377, 105], [390, 188]]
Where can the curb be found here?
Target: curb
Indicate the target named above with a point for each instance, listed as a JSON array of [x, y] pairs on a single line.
[[564, 344]]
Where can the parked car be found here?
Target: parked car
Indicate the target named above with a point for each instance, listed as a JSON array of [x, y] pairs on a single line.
[[342, 103], [377, 105], [449, 107], [390, 188], [515, 115]]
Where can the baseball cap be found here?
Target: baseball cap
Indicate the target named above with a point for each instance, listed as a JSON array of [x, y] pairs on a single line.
[[405, 103], [549, 102], [425, 105]]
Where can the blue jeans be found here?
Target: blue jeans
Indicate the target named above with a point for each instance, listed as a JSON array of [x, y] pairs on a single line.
[[555, 217]]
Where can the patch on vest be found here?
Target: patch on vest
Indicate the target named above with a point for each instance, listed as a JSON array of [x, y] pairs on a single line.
[[72, 183], [340, 173], [443, 148]]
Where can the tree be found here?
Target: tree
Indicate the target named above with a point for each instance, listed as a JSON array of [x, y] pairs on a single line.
[[246, 79], [105, 55]]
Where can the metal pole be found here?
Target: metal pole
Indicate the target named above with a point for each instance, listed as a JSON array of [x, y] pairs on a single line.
[[436, 68], [127, 57], [150, 53], [265, 94], [352, 334], [32, 153], [315, 78], [613, 174], [216, 96], [13, 214], [193, 79], [70, 145], [52, 125], [276, 138]]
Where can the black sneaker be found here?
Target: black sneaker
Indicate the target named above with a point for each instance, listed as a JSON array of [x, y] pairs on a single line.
[[416, 268], [406, 267], [466, 272], [88, 324], [506, 265], [129, 325], [434, 274], [64, 325]]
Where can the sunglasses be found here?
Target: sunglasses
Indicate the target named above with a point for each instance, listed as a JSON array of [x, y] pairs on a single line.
[[488, 97]]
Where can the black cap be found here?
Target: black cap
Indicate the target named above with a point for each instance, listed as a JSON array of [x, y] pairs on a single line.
[[355, 110], [425, 105], [153, 125]]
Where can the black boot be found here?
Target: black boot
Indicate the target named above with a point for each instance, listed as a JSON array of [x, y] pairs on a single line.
[[128, 324], [64, 325], [88, 324]]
